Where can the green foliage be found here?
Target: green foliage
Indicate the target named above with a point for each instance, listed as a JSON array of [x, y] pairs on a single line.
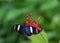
[[40, 38], [11, 12]]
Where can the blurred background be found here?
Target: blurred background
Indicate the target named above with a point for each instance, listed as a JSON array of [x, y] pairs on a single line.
[[11, 12]]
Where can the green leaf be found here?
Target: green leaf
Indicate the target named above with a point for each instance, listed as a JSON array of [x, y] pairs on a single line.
[[49, 5], [2, 40], [12, 38], [59, 41], [32, 1], [12, 14], [39, 38], [3, 32], [1, 15]]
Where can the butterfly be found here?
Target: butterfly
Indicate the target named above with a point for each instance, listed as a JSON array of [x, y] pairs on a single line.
[[30, 27]]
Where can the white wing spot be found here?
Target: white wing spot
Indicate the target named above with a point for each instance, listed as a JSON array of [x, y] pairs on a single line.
[[31, 29], [36, 31], [18, 28]]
